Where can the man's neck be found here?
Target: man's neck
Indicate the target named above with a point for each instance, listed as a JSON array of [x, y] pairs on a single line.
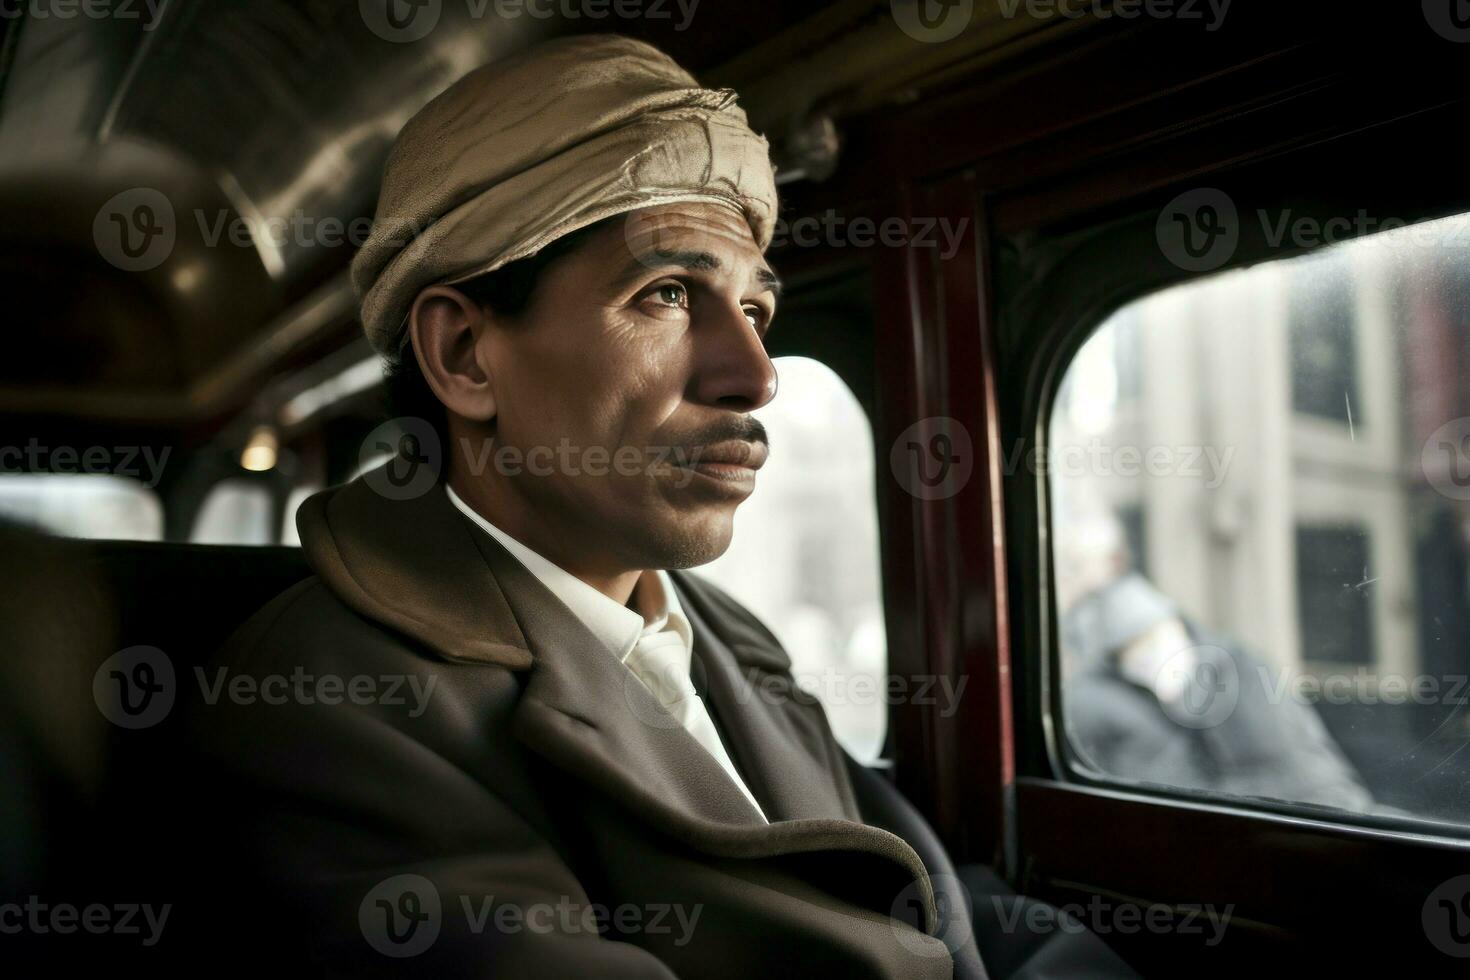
[[566, 551]]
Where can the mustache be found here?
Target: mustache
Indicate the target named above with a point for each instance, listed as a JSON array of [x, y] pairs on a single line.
[[742, 428]]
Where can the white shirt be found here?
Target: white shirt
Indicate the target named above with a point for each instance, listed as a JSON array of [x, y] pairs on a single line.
[[618, 627]]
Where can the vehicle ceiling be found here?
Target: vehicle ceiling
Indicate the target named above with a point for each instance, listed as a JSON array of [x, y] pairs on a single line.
[[269, 109]]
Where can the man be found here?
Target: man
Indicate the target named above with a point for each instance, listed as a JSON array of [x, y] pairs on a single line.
[[597, 765], [1154, 697]]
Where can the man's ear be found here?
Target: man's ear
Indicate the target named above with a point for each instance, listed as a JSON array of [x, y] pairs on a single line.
[[445, 328]]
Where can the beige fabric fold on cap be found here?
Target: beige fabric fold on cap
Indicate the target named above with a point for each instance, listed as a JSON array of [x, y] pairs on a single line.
[[523, 151]]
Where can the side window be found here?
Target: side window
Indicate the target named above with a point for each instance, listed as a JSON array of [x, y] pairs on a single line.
[[289, 534], [82, 505], [235, 512], [1259, 488], [805, 553]]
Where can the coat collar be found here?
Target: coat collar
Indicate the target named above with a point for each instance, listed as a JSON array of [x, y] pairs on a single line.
[[411, 564], [423, 569]]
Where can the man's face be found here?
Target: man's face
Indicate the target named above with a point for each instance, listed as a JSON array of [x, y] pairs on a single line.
[[627, 385]]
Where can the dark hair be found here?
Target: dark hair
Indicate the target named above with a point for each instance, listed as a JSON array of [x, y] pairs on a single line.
[[507, 291]]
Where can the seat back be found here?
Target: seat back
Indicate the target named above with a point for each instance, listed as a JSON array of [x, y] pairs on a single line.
[[123, 831], [187, 599]]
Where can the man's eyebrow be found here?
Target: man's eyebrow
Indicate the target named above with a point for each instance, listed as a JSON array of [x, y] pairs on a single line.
[[695, 261], [770, 280]]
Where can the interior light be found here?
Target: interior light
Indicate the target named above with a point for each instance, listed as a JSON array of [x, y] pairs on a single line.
[[261, 451]]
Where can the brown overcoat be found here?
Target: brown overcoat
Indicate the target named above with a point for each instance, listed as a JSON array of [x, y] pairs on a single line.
[[519, 804]]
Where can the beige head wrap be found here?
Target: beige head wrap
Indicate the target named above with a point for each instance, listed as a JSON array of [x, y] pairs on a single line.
[[523, 151]]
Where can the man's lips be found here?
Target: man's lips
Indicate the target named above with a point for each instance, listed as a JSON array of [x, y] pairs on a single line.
[[735, 453], [733, 462]]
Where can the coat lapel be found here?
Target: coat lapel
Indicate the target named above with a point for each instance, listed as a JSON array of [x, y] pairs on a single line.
[[420, 567], [775, 732], [591, 717], [590, 714]]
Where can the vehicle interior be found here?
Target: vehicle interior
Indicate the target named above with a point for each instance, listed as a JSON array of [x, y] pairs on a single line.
[[1026, 239]]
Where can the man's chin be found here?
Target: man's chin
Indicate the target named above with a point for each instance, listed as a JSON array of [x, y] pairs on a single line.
[[688, 538]]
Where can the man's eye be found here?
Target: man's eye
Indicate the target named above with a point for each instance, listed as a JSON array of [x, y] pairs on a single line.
[[672, 294], [754, 315]]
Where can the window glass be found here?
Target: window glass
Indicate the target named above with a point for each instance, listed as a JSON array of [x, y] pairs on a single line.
[[289, 534], [1260, 504], [805, 553], [235, 512], [82, 505]]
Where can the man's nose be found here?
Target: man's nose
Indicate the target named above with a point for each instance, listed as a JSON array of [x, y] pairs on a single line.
[[732, 369]]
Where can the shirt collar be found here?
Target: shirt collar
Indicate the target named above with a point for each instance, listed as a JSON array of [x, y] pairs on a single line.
[[655, 603], [656, 598]]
